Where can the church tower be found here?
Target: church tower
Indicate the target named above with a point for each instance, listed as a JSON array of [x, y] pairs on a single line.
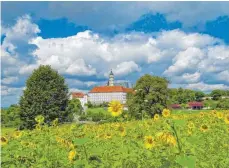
[[111, 79]]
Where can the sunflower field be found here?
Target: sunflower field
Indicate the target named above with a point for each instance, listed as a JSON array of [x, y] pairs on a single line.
[[198, 140]]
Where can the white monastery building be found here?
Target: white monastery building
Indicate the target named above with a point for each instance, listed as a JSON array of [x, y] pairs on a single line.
[[100, 94]]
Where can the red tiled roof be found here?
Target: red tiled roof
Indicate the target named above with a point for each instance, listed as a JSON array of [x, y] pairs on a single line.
[[77, 95], [198, 104], [108, 89]]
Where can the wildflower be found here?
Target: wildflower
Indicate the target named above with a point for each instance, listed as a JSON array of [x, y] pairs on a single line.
[[115, 107], [4, 140], [39, 119], [226, 119], [71, 155], [149, 142], [219, 115], [17, 134], [204, 128], [166, 113], [156, 117]]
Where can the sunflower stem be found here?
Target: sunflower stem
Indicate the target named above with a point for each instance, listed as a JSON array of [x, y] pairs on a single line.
[[85, 151], [178, 141]]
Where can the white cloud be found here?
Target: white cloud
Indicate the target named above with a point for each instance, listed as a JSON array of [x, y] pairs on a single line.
[[206, 87], [9, 80], [187, 58], [187, 78], [17, 38], [7, 91], [125, 68], [224, 76]]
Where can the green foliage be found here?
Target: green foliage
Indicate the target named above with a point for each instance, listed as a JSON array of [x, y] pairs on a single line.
[[45, 94], [10, 117], [187, 161], [97, 114], [150, 96], [74, 108], [199, 95], [211, 103], [216, 94], [183, 96], [223, 104], [89, 104]]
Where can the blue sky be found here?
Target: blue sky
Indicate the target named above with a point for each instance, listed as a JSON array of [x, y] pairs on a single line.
[[187, 42]]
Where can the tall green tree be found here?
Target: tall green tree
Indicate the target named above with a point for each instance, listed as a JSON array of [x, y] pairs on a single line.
[[45, 94], [149, 98], [199, 95], [216, 94]]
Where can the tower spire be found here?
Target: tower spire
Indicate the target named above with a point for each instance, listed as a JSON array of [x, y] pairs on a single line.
[[111, 79]]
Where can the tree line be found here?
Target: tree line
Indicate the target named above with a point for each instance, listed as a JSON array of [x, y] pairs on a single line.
[[47, 94]]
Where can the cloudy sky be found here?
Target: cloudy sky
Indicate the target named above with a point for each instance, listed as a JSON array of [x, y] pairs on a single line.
[[187, 42]]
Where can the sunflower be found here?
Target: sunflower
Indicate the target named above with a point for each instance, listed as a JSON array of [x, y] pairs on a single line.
[[191, 125], [17, 134], [149, 142], [156, 117], [4, 140], [214, 113], [189, 132], [71, 155], [55, 122], [38, 127], [219, 115], [115, 107], [122, 131], [204, 128], [201, 114], [226, 119], [108, 136], [166, 113], [170, 139], [39, 119], [24, 143]]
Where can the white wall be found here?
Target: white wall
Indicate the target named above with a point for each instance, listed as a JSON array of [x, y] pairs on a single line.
[[98, 98]]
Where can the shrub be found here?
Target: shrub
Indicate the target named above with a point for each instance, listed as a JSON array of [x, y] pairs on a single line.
[[223, 104], [10, 117]]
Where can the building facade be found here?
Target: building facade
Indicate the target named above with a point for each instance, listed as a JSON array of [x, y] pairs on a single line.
[[102, 94], [83, 98]]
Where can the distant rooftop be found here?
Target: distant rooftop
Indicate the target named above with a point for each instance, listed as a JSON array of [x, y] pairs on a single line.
[[109, 89]]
